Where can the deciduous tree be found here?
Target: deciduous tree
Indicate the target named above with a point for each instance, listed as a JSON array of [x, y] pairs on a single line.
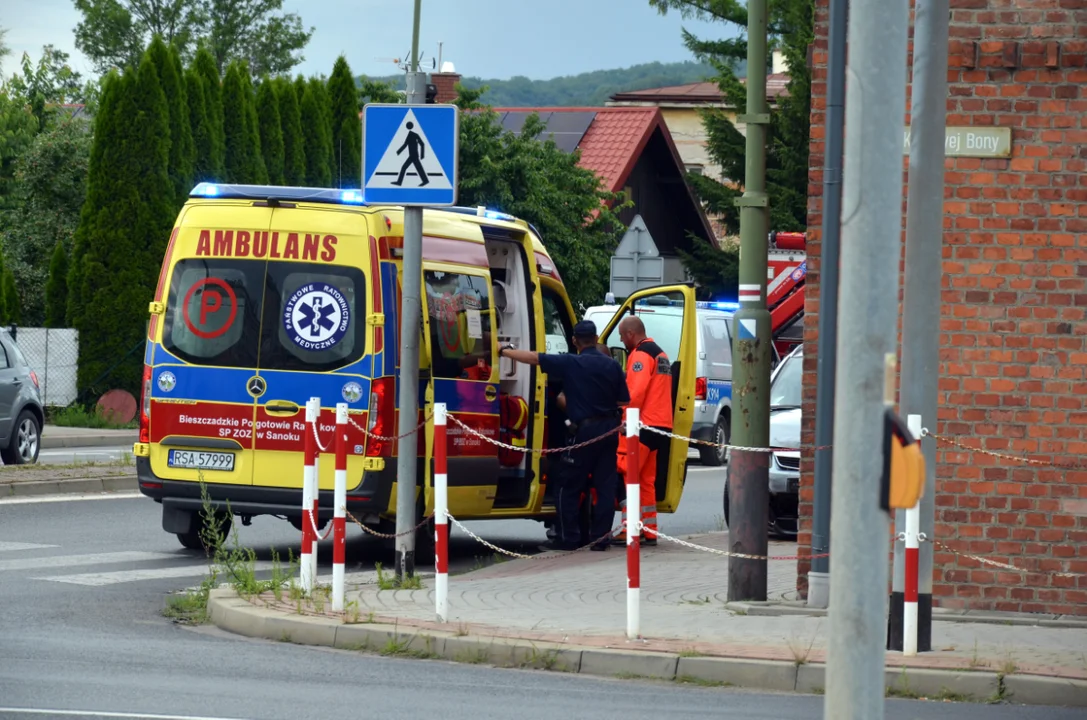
[[43, 86], [536, 181], [56, 288]]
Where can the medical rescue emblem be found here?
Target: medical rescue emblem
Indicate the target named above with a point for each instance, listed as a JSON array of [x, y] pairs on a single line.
[[316, 316], [637, 366], [352, 391], [167, 381]]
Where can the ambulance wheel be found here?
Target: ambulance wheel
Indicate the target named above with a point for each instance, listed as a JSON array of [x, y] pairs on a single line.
[[715, 456], [192, 540]]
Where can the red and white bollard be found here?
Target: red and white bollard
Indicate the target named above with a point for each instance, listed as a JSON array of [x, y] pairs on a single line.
[[441, 518], [633, 528], [913, 531], [308, 561], [339, 510]]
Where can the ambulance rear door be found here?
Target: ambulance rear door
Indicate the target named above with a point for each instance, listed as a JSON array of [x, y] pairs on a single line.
[[668, 312], [204, 369], [313, 342]]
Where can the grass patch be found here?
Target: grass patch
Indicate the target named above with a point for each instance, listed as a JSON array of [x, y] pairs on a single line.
[[392, 582], [701, 682], [689, 653], [80, 416]]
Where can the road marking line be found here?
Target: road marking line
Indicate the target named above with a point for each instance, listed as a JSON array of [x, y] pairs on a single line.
[[72, 497], [14, 546], [121, 576], [99, 714], [61, 561]]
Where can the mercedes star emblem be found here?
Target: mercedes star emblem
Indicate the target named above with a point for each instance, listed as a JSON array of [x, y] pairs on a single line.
[[256, 386]]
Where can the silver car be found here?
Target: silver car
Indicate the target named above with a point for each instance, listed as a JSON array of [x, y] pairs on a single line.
[[785, 396], [21, 414]]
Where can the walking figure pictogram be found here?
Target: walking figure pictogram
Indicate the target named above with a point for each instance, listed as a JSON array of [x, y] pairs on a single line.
[[416, 152]]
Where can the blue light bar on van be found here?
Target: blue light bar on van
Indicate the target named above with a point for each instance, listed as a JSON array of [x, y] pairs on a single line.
[[718, 305], [494, 214], [332, 196]]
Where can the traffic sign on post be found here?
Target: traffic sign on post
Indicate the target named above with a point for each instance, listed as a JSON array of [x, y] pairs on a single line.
[[409, 154]]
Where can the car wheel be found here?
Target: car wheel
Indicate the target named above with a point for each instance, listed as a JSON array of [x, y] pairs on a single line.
[[25, 441], [715, 456], [726, 504], [192, 539]]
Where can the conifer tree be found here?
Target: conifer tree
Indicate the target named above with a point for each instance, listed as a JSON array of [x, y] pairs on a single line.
[[315, 133], [12, 310], [240, 163], [128, 214], [258, 173], [324, 105], [290, 117], [181, 141], [205, 67], [271, 132], [56, 288], [204, 169], [346, 126]]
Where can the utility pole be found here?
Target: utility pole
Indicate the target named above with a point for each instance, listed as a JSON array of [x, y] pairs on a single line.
[[410, 319], [749, 471], [921, 301], [867, 338], [827, 348]]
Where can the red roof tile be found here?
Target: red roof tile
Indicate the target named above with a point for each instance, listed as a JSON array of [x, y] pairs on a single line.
[[699, 92], [614, 141]]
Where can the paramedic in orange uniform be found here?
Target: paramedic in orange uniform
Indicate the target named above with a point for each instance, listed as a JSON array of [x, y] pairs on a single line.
[[649, 381]]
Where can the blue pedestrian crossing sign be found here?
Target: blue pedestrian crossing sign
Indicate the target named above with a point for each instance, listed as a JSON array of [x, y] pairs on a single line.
[[409, 154]]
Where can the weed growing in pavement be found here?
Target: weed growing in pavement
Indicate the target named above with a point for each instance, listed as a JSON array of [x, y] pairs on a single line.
[[462, 630], [472, 657], [904, 690], [392, 582], [543, 660], [800, 653], [689, 652], [1008, 666], [702, 682], [974, 661], [947, 695]]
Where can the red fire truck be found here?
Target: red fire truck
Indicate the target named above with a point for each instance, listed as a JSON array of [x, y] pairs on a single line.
[[786, 270]]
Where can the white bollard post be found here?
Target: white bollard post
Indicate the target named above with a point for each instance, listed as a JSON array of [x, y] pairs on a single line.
[[339, 510], [633, 528], [309, 442], [913, 530], [313, 416], [441, 518]]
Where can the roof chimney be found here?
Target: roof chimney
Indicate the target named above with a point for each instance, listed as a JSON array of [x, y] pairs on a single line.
[[446, 82]]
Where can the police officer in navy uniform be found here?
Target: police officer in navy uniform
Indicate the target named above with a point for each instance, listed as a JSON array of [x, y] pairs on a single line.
[[595, 391]]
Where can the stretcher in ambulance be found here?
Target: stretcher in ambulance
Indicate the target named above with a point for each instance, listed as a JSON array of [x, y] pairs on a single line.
[[268, 296]]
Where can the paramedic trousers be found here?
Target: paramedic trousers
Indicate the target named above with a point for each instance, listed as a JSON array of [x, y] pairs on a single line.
[[598, 461], [652, 464]]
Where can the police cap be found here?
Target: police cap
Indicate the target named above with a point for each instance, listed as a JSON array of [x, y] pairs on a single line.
[[585, 329]]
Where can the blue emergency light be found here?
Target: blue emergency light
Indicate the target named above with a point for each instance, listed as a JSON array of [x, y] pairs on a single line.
[[331, 196], [718, 305]]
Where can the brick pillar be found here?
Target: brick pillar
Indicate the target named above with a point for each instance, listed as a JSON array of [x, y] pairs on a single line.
[[446, 84]]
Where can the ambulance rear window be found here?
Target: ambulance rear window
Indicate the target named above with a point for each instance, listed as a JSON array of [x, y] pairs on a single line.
[[213, 312], [314, 317]]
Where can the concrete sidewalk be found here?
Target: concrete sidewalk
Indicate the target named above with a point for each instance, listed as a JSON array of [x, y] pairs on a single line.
[[574, 606], [58, 436]]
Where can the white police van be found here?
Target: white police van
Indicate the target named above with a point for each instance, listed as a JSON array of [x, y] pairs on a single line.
[[713, 379]]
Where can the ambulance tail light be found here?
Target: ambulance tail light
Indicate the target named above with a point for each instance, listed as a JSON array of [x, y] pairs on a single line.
[[145, 406], [382, 417], [700, 386]]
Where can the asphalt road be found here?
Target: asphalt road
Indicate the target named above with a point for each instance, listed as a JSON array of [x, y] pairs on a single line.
[[81, 631]]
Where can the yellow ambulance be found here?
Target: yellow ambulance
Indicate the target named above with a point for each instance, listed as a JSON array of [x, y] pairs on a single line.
[[268, 296]]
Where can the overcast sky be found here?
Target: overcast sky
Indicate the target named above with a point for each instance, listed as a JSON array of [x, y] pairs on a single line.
[[487, 38]]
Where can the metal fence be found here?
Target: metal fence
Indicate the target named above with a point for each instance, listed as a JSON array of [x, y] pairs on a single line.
[[52, 353]]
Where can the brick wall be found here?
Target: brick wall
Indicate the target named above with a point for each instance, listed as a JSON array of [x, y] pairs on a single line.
[[1013, 333], [446, 85]]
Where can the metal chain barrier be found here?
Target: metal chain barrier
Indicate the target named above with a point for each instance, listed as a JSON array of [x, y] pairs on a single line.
[[1073, 465], [522, 556], [995, 563], [387, 536], [534, 451], [389, 438], [727, 553], [726, 446]]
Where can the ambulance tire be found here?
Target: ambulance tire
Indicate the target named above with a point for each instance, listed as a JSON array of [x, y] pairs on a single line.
[[191, 539], [715, 456]]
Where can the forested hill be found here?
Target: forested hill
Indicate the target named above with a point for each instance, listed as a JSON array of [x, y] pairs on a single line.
[[587, 89]]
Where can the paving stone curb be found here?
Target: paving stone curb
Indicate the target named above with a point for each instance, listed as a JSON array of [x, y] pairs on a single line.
[[783, 609], [74, 486], [236, 615]]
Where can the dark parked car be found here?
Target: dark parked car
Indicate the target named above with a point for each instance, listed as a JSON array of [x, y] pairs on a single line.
[[21, 413]]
